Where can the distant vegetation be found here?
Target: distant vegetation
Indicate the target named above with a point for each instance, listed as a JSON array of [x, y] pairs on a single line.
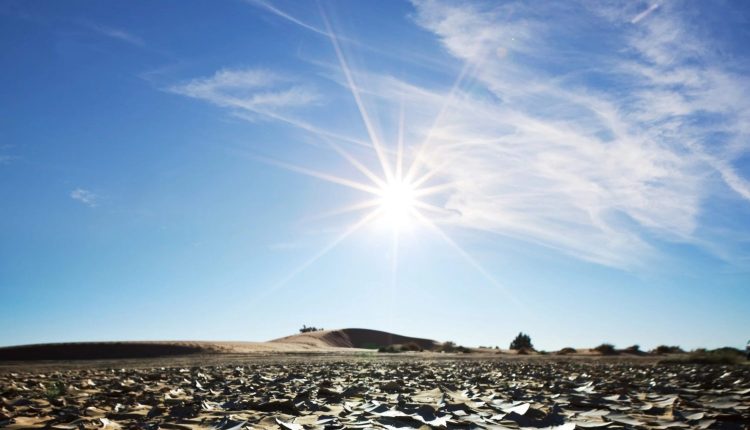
[[524, 351], [724, 355], [522, 341], [567, 350], [634, 349], [664, 349], [452, 347], [414, 347], [401, 347], [606, 349], [306, 329]]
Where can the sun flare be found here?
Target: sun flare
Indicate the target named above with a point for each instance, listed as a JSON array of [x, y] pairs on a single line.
[[397, 202]]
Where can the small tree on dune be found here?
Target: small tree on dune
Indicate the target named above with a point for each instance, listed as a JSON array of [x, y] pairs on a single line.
[[306, 329], [522, 341]]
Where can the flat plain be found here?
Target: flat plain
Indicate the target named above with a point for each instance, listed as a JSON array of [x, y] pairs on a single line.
[[371, 390]]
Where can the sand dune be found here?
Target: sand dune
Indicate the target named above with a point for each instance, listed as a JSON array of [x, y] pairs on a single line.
[[344, 340], [353, 338]]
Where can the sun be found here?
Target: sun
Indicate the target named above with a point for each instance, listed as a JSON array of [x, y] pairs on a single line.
[[397, 203]]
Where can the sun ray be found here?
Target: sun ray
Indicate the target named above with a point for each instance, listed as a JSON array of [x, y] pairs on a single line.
[[320, 175], [379, 150], [301, 125], [346, 209], [358, 165], [394, 261], [400, 142], [426, 191], [466, 256], [432, 208], [430, 174], [340, 238], [414, 166]]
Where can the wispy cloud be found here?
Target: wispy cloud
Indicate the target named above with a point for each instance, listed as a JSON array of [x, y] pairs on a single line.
[[6, 158], [84, 196], [249, 90], [285, 15], [595, 170], [117, 34], [603, 152], [644, 14]]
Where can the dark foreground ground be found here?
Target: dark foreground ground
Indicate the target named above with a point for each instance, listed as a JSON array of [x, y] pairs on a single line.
[[372, 391]]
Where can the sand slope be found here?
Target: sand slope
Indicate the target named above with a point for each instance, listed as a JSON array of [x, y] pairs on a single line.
[[353, 338]]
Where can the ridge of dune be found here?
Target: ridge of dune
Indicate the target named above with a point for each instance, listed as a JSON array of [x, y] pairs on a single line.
[[353, 338]]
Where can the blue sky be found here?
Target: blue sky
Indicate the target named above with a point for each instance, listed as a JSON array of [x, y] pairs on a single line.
[[229, 170]]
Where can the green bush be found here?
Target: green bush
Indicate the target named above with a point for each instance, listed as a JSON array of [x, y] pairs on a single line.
[[55, 390]]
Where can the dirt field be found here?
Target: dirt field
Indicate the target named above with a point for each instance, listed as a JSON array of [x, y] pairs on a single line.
[[370, 390]]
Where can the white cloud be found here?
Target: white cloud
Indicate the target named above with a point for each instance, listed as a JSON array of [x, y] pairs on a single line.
[[84, 196], [597, 171], [249, 90]]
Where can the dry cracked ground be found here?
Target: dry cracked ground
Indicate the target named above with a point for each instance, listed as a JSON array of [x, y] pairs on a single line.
[[390, 394]]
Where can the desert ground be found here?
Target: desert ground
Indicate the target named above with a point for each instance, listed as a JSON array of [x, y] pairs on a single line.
[[331, 380]]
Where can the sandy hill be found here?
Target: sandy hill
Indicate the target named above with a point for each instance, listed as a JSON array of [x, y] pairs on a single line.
[[328, 341], [353, 338]]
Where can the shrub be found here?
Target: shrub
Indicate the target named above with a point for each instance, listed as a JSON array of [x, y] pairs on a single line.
[[634, 349], [717, 356], [404, 347], [447, 346], [664, 349], [411, 346], [606, 349], [306, 329], [55, 390], [452, 347], [521, 341], [567, 350]]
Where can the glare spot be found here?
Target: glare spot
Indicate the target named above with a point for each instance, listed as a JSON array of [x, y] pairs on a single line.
[[397, 203]]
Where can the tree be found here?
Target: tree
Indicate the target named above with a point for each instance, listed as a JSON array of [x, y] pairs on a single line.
[[522, 341], [306, 329]]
